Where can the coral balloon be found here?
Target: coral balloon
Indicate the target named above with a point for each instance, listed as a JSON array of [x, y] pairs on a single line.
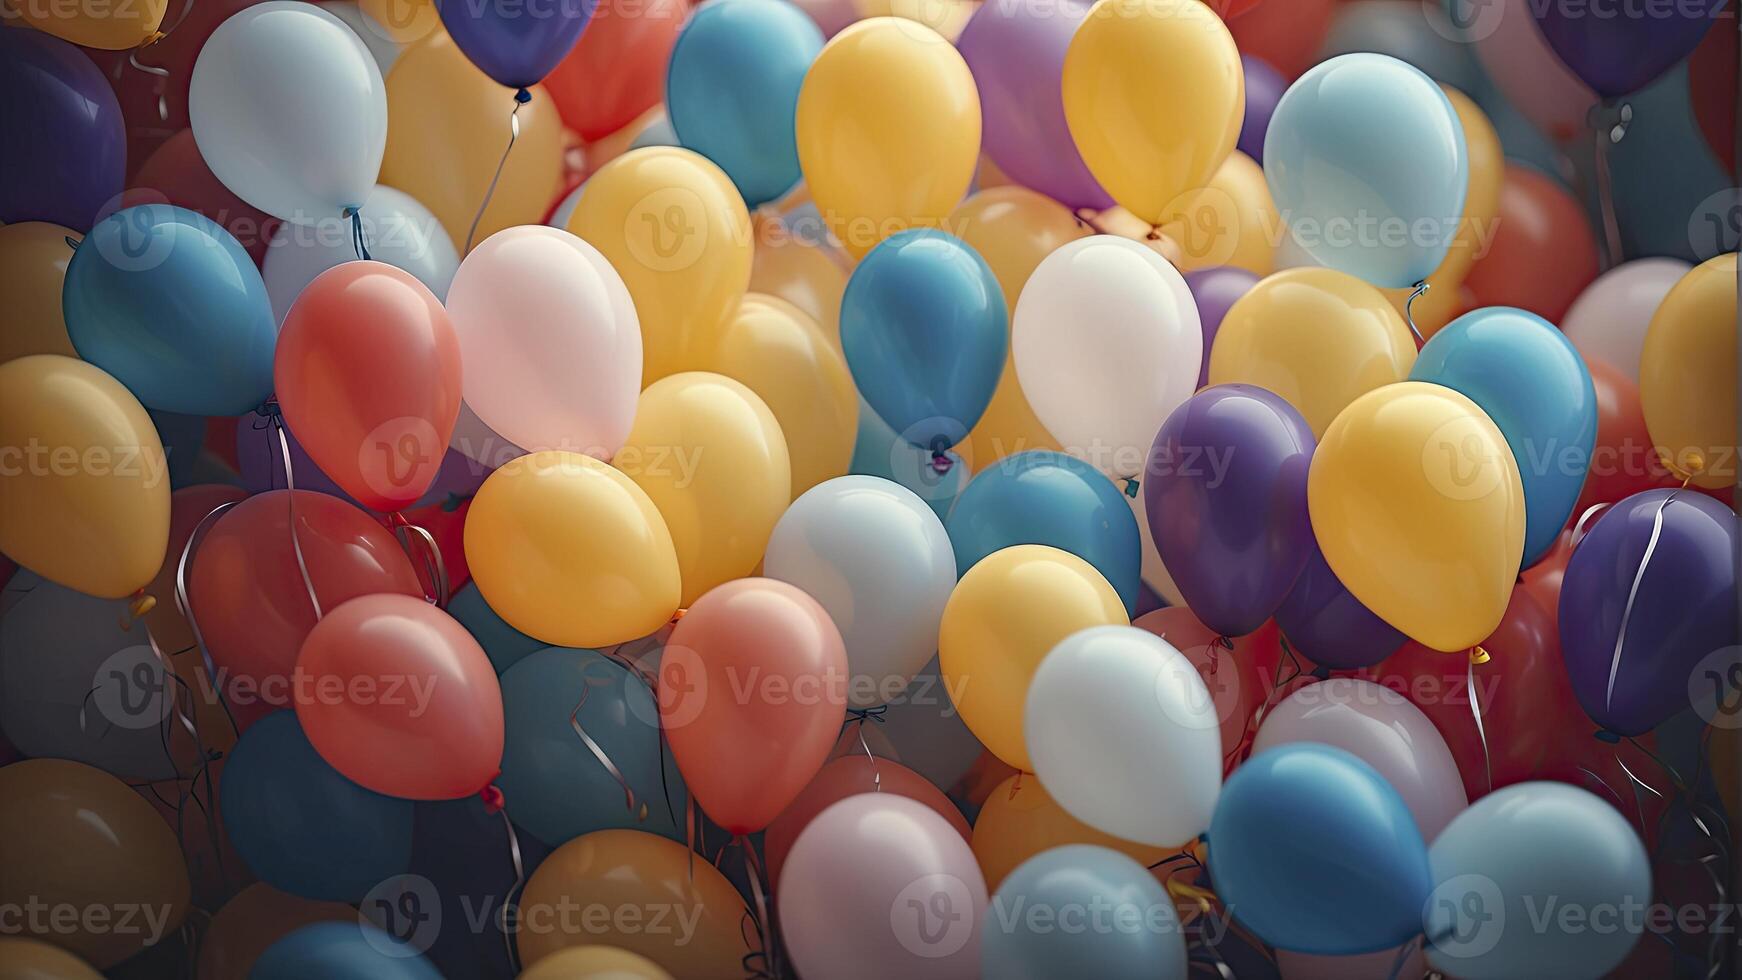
[[175, 173], [1287, 35], [616, 71], [1624, 460], [1686, 384], [1543, 253], [847, 776]]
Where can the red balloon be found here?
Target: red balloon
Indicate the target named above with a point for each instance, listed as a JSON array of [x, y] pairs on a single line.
[[1238, 680], [616, 71], [248, 596], [1712, 84], [177, 174], [1543, 253], [1286, 34], [1543, 579], [395, 694], [847, 776], [368, 376]]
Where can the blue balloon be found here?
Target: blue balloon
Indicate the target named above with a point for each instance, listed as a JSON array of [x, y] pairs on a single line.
[[554, 784], [1082, 910], [878, 451], [731, 89], [502, 643], [1312, 850], [303, 828], [1365, 156], [924, 329], [1046, 497], [1532, 382], [515, 44], [170, 304], [341, 951]]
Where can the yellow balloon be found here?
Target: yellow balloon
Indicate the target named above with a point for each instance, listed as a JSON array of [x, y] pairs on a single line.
[[402, 21], [1418, 507], [947, 17], [109, 26], [1012, 228], [447, 125], [1230, 221], [1003, 617], [33, 267], [592, 963], [888, 129], [1020, 819], [1687, 374], [675, 228], [777, 351], [1316, 337], [1154, 96], [84, 483], [805, 275], [710, 455], [569, 551], [28, 959]]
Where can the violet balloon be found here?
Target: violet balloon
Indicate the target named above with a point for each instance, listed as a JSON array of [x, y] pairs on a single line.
[[1264, 88], [1638, 645], [63, 145], [1225, 491], [1626, 50], [1321, 619], [1215, 290], [514, 43]]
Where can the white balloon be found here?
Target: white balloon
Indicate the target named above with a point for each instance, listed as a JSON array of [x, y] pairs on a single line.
[[397, 229], [289, 110], [877, 558], [1607, 322], [1125, 736], [1107, 344]]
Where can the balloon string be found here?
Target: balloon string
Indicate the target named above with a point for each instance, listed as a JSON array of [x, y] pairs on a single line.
[[290, 506], [427, 554], [359, 242], [1403, 954], [858, 719], [521, 98], [587, 683], [1478, 656], [1609, 125], [1579, 525], [764, 924], [1409, 310], [1633, 594], [495, 803], [185, 605]]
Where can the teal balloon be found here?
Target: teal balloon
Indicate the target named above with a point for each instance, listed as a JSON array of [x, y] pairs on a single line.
[[1082, 910], [169, 303], [502, 643], [1314, 852], [731, 90], [1365, 156], [341, 951], [1046, 497], [924, 329], [1532, 382], [879, 451], [555, 785]]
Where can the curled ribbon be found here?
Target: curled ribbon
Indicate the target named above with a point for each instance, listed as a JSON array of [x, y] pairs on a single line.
[[587, 684]]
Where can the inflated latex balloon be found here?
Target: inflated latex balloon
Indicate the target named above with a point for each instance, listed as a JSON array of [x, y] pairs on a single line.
[[400, 231], [1685, 383], [1131, 928]]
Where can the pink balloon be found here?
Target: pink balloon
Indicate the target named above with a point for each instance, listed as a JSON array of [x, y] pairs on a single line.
[[1380, 727], [1517, 57], [847, 776], [880, 886], [1607, 322]]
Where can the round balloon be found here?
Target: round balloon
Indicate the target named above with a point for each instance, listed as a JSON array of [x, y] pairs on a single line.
[[1128, 924], [1609, 319], [616, 71], [66, 153], [342, 951], [253, 920], [594, 961], [1322, 620], [34, 256], [1019, 820], [851, 775], [398, 230], [1617, 56], [513, 45], [1685, 385]]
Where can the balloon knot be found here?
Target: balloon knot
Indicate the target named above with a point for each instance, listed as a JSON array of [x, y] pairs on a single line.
[[1605, 735], [269, 409], [522, 97], [1478, 655], [493, 799], [155, 37], [142, 604], [867, 714], [1131, 487], [679, 615], [941, 462]]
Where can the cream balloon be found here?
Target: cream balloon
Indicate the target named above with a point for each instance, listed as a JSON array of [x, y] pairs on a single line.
[[397, 229]]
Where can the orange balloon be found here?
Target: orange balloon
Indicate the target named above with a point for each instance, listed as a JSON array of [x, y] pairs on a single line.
[[617, 69], [1235, 678], [28, 959], [257, 917], [848, 776], [397, 696], [752, 692], [368, 375], [1543, 253], [1019, 820]]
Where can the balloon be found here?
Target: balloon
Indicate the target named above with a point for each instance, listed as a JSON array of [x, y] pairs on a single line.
[[1330, 626], [597, 962], [807, 276], [66, 143], [1113, 919], [879, 451], [28, 959], [879, 562], [1317, 338], [449, 128], [616, 71], [1103, 750], [1418, 508], [888, 128], [1004, 616], [175, 173], [1215, 290], [1542, 255], [341, 951], [550, 340], [1620, 55], [260, 460], [438, 743], [1017, 55], [84, 497], [1043, 497], [511, 44], [246, 589], [1225, 489], [1526, 70], [1314, 852], [1288, 35], [1608, 321], [628, 869], [1019, 820], [400, 232], [1685, 385], [1127, 75], [1649, 594], [76, 837], [256, 918], [1518, 849], [848, 776], [923, 326], [1229, 221], [1527, 377], [674, 226], [110, 28], [782, 355], [1347, 206], [33, 266], [289, 110], [1107, 345], [1624, 461], [502, 643], [1264, 87], [751, 698], [558, 786], [1714, 61]]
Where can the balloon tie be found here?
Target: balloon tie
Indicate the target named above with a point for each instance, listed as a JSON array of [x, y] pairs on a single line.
[[185, 605], [1409, 310], [359, 242], [426, 554], [941, 462], [1633, 595], [587, 684], [1609, 124], [277, 419], [1478, 656], [496, 804], [678, 615], [1131, 487], [521, 98]]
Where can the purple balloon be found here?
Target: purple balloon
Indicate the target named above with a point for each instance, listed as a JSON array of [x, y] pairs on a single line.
[[1225, 492], [1215, 290], [262, 465], [1683, 623], [1017, 54], [1264, 88], [63, 146], [1625, 50], [516, 42], [1331, 627]]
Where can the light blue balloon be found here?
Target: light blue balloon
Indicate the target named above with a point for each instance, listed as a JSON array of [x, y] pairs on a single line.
[[924, 329], [1509, 869], [1082, 910], [556, 787], [731, 90], [1532, 382], [341, 951], [1313, 851], [1046, 497], [878, 451], [502, 643], [168, 302], [1365, 158]]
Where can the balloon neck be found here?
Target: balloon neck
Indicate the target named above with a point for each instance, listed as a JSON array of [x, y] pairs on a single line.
[[1611, 119], [72, 243], [941, 462], [522, 97], [1131, 487], [677, 616], [141, 604], [1479, 655], [1605, 735], [269, 409], [492, 796]]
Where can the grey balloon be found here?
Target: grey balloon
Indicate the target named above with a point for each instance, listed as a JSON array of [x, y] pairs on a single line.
[[1082, 911]]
